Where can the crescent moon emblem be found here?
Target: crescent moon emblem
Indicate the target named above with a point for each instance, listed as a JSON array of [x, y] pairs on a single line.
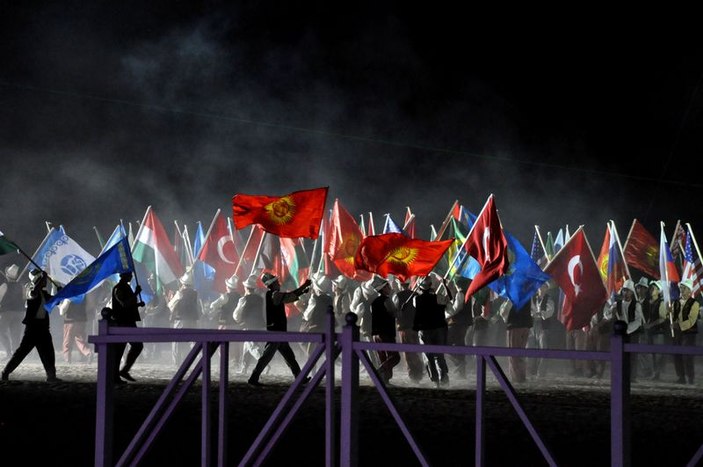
[[486, 239], [221, 246]]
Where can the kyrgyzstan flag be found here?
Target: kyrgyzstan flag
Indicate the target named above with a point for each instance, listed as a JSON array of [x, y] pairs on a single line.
[[641, 250], [395, 253], [297, 214], [219, 252], [344, 238]]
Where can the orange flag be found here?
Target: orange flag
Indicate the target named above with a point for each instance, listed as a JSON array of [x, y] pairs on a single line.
[[294, 215], [395, 253], [641, 250]]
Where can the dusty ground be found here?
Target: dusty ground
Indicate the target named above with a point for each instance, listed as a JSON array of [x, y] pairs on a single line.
[[42, 422]]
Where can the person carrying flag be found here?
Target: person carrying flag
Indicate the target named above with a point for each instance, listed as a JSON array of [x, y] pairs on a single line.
[[37, 332], [125, 313]]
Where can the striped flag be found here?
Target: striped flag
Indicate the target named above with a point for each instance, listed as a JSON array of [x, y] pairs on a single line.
[[537, 253], [692, 268], [154, 250]]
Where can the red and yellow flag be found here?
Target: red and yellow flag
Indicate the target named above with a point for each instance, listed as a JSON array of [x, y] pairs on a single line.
[[344, 239], [294, 215], [395, 253], [641, 250]]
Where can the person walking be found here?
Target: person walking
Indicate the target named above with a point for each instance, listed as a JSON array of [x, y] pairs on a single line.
[[383, 313], [37, 329], [185, 313], [517, 325], [276, 320], [543, 310], [11, 310], [125, 313], [75, 318], [405, 319], [431, 326]]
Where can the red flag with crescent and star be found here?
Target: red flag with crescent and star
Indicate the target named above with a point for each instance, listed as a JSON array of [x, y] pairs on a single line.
[[487, 244], [219, 252], [574, 268], [294, 215], [395, 253]]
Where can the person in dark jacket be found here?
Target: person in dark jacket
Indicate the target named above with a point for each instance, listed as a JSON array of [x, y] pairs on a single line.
[[383, 314], [431, 325], [125, 313], [37, 331], [517, 324], [276, 320]]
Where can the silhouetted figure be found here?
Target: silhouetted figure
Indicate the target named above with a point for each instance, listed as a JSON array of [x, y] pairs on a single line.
[[36, 329], [75, 318], [11, 310], [185, 313], [276, 320], [125, 313], [431, 325]]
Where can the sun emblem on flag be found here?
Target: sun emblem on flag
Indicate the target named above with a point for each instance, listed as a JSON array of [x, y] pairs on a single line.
[[604, 267], [281, 211], [349, 248], [652, 256], [402, 255]]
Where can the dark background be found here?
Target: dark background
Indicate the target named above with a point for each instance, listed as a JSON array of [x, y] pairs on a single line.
[[569, 118]]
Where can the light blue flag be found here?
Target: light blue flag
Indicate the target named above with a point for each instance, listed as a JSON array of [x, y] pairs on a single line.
[[61, 256], [524, 276], [115, 260], [140, 271], [203, 274]]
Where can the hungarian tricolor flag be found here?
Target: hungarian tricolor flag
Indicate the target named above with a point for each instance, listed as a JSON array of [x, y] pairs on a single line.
[[487, 244], [641, 250], [344, 238], [297, 214], [219, 252], [395, 253], [574, 269], [154, 250]]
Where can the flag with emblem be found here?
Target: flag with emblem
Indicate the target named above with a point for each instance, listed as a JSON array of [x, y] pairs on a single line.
[[487, 244], [219, 252], [641, 250], [575, 270], [297, 214], [61, 256], [692, 268], [343, 240], [617, 268], [394, 253]]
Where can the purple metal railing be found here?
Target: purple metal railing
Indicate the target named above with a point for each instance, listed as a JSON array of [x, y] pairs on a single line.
[[353, 351]]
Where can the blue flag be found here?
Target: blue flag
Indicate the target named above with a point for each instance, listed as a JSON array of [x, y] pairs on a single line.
[[524, 276], [390, 226], [116, 259], [203, 274]]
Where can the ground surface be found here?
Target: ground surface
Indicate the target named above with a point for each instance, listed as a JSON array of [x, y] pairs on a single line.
[[42, 422]]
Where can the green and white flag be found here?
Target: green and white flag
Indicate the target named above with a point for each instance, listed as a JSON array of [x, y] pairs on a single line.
[[6, 246]]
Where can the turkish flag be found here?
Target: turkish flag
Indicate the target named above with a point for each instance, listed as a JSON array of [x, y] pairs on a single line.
[[219, 252], [488, 245], [574, 269]]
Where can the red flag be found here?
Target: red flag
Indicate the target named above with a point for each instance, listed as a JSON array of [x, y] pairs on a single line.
[[344, 238], [604, 254], [574, 269], [488, 245], [642, 250], [409, 224], [395, 253], [219, 252], [297, 214]]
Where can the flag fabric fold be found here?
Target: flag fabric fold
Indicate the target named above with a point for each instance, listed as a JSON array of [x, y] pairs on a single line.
[[487, 244], [667, 269], [397, 254], [693, 269], [7, 246], [343, 241], [61, 257], [574, 269], [154, 250], [641, 250], [297, 214], [114, 260], [219, 252]]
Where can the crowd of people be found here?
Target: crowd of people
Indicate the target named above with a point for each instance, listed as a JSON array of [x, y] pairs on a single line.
[[426, 310]]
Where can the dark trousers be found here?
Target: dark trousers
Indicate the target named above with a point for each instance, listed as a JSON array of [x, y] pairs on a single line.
[[269, 351], [135, 349], [39, 337], [683, 364]]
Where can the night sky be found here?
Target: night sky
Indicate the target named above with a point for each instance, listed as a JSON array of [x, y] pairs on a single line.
[[105, 110]]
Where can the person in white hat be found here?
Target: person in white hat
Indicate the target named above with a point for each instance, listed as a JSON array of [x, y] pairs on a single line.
[[222, 309], [656, 328], [684, 322], [185, 314], [250, 315], [37, 333], [314, 317], [11, 310], [628, 309], [276, 320]]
